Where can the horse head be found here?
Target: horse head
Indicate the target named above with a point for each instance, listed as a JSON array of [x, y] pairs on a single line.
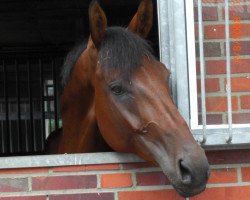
[[133, 105]]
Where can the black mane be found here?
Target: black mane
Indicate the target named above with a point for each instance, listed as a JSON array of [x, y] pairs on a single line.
[[70, 61], [120, 50]]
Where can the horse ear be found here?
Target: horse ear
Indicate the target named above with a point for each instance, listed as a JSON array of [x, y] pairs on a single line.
[[142, 21], [97, 23]]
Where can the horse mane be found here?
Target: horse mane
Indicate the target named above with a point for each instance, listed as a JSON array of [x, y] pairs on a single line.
[[120, 50], [70, 61]]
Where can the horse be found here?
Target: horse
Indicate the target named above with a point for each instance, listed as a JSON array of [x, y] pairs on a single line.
[[116, 96]]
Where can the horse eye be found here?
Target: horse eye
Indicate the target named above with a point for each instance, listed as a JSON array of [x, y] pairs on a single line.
[[117, 90]]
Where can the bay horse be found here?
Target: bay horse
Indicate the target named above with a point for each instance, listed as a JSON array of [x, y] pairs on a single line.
[[116, 96]]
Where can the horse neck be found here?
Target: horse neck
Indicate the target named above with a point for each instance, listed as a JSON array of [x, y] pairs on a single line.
[[77, 106]]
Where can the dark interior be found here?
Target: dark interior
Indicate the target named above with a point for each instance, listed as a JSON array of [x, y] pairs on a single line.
[[58, 24], [35, 36]]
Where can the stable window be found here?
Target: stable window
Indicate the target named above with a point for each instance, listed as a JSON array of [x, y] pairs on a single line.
[[35, 38]]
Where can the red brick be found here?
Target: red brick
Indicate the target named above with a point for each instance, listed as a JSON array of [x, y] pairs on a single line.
[[240, 84], [64, 182], [245, 172], [128, 166], [224, 193], [241, 118], [208, 13], [24, 171], [24, 198], [218, 31], [151, 178], [239, 11], [219, 104], [219, 66], [212, 119], [116, 180], [198, 68], [244, 31], [215, 67], [245, 102], [240, 67], [13, 184], [245, 48], [211, 84], [149, 195], [214, 31], [228, 156], [196, 31], [87, 196], [223, 176], [211, 49], [87, 168]]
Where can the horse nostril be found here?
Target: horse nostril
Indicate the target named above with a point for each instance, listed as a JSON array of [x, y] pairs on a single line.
[[185, 173]]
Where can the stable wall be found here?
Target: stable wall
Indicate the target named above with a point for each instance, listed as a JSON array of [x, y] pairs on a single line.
[[229, 180]]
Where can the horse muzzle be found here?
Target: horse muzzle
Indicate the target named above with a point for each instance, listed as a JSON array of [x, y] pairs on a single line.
[[191, 181], [189, 174]]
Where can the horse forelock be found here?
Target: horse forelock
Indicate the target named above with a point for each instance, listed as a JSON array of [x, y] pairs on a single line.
[[121, 50]]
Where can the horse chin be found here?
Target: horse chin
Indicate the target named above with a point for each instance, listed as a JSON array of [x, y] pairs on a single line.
[[189, 193]]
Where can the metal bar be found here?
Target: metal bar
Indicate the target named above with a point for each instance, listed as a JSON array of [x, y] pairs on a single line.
[[202, 72], [6, 139], [67, 160], [172, 46], [166, 40], [50, 115], [181, 65], [163, 31], [3, 136], [42, 101], [25, 140], [31, 132], [228, 70], [19, 126], [55, 94]]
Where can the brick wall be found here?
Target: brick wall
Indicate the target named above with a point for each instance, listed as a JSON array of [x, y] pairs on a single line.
[[215, 60], [134, 181]]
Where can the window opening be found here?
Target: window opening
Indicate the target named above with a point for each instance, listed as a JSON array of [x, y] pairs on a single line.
[[30, 64]]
